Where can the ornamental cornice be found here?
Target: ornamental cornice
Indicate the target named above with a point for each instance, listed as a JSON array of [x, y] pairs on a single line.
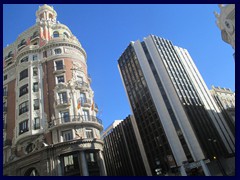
[[27, 33]]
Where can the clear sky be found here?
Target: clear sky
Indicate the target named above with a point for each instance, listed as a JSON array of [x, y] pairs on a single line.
[[106, 30]]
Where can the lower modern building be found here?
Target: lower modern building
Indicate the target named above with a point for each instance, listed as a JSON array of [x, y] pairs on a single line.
[[123, 151], [50, 117], [175, 125]]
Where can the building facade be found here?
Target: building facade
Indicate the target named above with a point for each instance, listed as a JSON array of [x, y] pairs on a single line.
[[225, 99], [50, 123], [226, 23], [122, 150], [174, 124]]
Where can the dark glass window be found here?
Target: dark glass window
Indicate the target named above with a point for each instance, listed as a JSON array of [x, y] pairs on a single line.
[[35, 71], [23, 90], [35, 87], [67, 135], [36, 104], [58, 51], [36, 124], [23, 74], [71, 165], [35, 57], [60, 79], [59, 65], [5, 77], [23, 127], [65, 116], [25, 59], [23, 107], [55, 34]]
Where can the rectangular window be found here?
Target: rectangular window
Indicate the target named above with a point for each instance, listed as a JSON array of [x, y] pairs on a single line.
[[25, 59], [23, 127], [85, 115], [44, 54], [5, 77], [89, 133], [23, 90], [35, 87], [36, 124], [82, 98], [35, 71], [35, 57], [60, 79], [58, 51], [23, 74], [36, 104], [67, 135], [64, 116], [62, 98], [59, 65], [4, 91], [23, 107]]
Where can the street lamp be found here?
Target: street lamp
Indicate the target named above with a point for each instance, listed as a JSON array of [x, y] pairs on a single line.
[[158, 169], [213, 142]]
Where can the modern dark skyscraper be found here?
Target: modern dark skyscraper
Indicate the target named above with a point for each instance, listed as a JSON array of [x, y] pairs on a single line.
[[169, 110]]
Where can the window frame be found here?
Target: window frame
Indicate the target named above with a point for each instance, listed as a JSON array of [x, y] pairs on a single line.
[[23, 74], [23, 90]]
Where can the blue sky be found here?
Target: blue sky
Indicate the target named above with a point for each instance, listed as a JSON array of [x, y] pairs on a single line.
[[106, 30]]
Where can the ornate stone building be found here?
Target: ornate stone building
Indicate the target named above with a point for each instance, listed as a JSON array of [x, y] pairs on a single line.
[[50, 123], [226, 23]]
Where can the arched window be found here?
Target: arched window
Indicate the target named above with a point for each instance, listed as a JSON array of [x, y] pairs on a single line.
[[31, 172], [66, 35], [55, 34]]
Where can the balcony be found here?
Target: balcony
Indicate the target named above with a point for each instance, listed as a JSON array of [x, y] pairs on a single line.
[[23, 131], [82, 85], [34, 37], [85, 102], [75, 120], [63, 102], [5, 93], [59, 69], [22, 45], [8, 58]]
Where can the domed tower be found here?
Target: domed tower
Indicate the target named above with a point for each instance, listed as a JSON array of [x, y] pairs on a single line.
[[52, 128]]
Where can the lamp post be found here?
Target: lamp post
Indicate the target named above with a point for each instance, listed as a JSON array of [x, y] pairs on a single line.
[[158, 169], [213, 143]]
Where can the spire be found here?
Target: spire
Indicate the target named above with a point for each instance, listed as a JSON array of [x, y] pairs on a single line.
[[46, 13]]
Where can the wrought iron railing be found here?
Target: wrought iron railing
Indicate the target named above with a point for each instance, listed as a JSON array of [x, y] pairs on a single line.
[[72, 119]]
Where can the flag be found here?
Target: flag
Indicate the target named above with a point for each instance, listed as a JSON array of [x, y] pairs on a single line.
[[92, 105], [79, 104]]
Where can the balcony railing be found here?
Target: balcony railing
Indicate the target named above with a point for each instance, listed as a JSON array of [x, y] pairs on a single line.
[[22, 45], [74, 119], [63, 102], [33, 37], [23, 131], [86, 102], [9, 57], [81, 84]]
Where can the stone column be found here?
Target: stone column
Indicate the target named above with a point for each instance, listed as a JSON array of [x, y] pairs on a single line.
[[205, 168], [84, 164], [102, 167], [182, 171]]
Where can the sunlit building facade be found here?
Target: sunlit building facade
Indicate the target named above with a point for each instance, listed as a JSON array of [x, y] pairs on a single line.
[[50, 117], [175, 125]]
